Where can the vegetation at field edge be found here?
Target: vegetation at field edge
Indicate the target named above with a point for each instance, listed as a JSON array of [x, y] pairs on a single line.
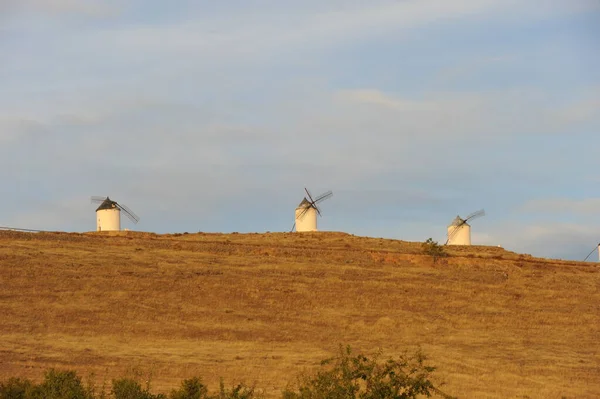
[[346, 376]]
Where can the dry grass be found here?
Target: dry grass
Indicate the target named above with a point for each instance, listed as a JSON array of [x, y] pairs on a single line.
[[263, 307]]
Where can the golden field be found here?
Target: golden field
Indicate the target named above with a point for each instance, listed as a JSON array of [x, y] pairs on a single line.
[[264, 307]]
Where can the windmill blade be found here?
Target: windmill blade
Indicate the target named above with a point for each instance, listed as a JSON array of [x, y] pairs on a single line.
[[303, 212], [323, 196], [134, 218], [475, 215], [590, 254], [96, 198], [318, 210], [312, 202], [293, 226], [454, 232], [456, 228]]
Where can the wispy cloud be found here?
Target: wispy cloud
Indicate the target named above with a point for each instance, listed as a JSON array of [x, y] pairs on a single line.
[[214, 116], [57, 7], [463, 70], [587, 206], [550, 239], [583, 111], [277, 34], [501, 113]]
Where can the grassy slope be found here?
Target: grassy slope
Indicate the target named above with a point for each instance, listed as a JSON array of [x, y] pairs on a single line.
[[263, 307]]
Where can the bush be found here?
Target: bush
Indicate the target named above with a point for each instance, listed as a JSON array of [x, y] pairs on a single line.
[[433, 249], [239, 391], [346, 376], [127, 388], [67, 385], [15, 388], [190, 389], [350, 376], [60, 385]]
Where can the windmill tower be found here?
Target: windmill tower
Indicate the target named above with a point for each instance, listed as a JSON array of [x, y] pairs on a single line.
[[108, 214], [306, 213], [459, 231]]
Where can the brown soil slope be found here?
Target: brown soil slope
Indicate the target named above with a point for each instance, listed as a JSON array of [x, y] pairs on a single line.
[[263, 307]]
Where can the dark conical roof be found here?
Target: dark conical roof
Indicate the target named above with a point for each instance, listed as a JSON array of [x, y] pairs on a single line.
[[107, 204], [458, 221], [305, 203]]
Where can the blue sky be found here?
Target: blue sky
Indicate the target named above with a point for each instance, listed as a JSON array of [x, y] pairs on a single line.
[[213, 116]]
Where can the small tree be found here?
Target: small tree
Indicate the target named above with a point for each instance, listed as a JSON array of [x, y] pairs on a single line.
[[192, 388], [349, 376], [60, 385], [433, 249], [16, 388], [240, 391], [127, 388]]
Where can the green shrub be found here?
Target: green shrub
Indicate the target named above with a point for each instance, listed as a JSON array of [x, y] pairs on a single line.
[[239, 391], [127, 388], [433, 249], [60, 385], [16, 388], [350, 376], [346, 376], [190, 389]]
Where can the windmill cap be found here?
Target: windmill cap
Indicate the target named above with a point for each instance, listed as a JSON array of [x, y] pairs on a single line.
[[458, 221], [304, 203], [107, 204]]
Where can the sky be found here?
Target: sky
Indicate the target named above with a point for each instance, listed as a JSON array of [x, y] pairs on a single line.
[[213, 116]]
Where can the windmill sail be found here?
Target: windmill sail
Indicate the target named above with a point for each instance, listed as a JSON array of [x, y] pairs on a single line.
[[129, 213], [456, 224], [305, 205], [596, 248]]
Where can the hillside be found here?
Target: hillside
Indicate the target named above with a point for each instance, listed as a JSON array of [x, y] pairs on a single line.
[[263, 307]]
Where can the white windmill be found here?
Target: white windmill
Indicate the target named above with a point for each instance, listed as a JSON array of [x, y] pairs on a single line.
[[459, 231], [306, 212], [108, 214]]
